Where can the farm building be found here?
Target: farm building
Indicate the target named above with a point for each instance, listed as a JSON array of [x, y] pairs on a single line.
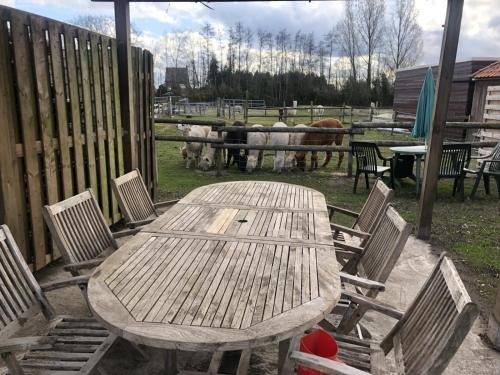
[[486, 101], [409, 83]]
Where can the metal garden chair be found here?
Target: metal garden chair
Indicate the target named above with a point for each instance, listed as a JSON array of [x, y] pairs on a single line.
[[367, 155], [80, 232], [134, 201], [489, 167], [74, 345], [455, 158], [424, 340], [380, 196], [369, 267]]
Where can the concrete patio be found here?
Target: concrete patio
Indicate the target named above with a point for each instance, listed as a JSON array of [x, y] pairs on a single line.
[[416, 262]]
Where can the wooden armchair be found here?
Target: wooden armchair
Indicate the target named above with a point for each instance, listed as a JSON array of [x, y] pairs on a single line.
[[80, 232], [380, 196], [368, 268], [489, 167], [367, 155], [455, 158], [134, 201], [424, 340], [73, 345]]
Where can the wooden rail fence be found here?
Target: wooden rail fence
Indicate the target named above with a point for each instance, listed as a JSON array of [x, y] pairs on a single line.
[[60, 123]]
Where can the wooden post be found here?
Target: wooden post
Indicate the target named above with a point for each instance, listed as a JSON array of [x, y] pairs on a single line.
[[445, 76], [122, 27], [218, 107], [245, 110], [312, 118], [342, 114], [218, 151]]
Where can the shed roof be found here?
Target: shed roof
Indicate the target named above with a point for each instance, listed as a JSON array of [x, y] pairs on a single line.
[[490, 71]]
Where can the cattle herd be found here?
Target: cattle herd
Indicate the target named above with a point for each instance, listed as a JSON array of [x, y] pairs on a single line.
[[202, 155]]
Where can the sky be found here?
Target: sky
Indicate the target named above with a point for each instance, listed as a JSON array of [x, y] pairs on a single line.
[[478, 38]]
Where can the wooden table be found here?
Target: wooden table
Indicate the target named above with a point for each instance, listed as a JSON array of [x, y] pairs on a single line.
[[419, 153], [231, 266]]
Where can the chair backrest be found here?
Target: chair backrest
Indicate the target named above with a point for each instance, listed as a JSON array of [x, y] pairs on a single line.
[[20, 294], [133, 198], [366, 155], [380, 196], [384, 247], [435, 324], [79, 228], [495, 155], [454, 159]]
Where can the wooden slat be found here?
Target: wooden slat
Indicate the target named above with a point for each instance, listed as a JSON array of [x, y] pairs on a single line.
[[29, 122], [117, 111], [108, 112], [61, 107], [100, 133], [11, 177]]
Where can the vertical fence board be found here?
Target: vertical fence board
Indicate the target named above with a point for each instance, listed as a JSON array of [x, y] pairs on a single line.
[[13, 206], [74, 97], [87, 109], [100, 134], [147, 115], [27, 101], [140, 123], [61, 107], [118, 114], [154, 171], [106, 84]]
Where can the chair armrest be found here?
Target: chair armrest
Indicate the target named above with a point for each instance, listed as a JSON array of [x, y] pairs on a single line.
[[83, 265], [361, 282], [372, 304], [27, 343], [77, 280], [342, 210], [351, 248], [324, 365], [166, 203], [126, 232], [139, 223], [351, 231]]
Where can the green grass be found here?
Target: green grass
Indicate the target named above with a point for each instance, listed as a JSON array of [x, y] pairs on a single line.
[[468, 230]]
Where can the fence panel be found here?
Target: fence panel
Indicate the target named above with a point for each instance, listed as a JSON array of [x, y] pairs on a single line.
[[61, 125]]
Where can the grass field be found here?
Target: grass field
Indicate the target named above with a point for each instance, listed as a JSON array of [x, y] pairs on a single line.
[[469, 230]]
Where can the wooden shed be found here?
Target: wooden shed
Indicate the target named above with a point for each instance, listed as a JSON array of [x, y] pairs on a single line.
[[409, 83], [486, 101]]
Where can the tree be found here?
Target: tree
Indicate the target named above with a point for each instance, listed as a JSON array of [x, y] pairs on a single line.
[[103, 25], [404, 36], [207, 31], [348, 38], [370, 26]]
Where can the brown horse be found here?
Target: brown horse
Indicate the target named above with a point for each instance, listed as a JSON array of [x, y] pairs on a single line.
[[321, 139]]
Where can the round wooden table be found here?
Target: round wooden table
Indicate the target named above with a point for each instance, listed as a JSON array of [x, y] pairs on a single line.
[[231, 266]]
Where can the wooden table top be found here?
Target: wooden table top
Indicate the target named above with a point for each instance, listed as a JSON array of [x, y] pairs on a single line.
[[231, 266]]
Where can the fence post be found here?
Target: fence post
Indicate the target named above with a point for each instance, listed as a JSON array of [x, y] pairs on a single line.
[[350, 156], [245, 109], [218, 150], [342, 116], [311, 112]]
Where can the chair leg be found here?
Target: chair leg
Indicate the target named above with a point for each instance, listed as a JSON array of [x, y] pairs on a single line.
[[486, 180], [367, 182], [476, 185], [356, 179], [462, 188], [455, 184], [497, 179]]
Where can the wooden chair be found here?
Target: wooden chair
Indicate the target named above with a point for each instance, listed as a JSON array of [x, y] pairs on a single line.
[[380, 196], [455, 158], [367, 155], [489, 167], [80, 231], [424, 340], [369, 267], [134, 201], [73, 345]]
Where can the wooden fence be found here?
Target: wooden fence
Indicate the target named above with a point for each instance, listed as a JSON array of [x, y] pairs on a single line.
[[60, 123]]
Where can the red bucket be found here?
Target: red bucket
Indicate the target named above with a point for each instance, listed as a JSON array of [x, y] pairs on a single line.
[[319, 343]]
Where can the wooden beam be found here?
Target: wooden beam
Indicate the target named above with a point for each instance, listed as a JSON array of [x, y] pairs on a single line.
[[444, 81], [124, 54]]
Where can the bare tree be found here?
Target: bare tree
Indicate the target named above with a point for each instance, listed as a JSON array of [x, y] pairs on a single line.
[[348, 38], [261, 39], [248, 35], [330, 41], [207, 32], [104, 25], [370, 25], [404, 36], [238, 33]]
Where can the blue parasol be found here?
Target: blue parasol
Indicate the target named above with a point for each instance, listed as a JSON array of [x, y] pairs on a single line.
[[424, 107]]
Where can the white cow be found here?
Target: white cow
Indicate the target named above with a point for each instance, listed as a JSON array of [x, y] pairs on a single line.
[[280, 139], [294, 140], [256, 157]]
